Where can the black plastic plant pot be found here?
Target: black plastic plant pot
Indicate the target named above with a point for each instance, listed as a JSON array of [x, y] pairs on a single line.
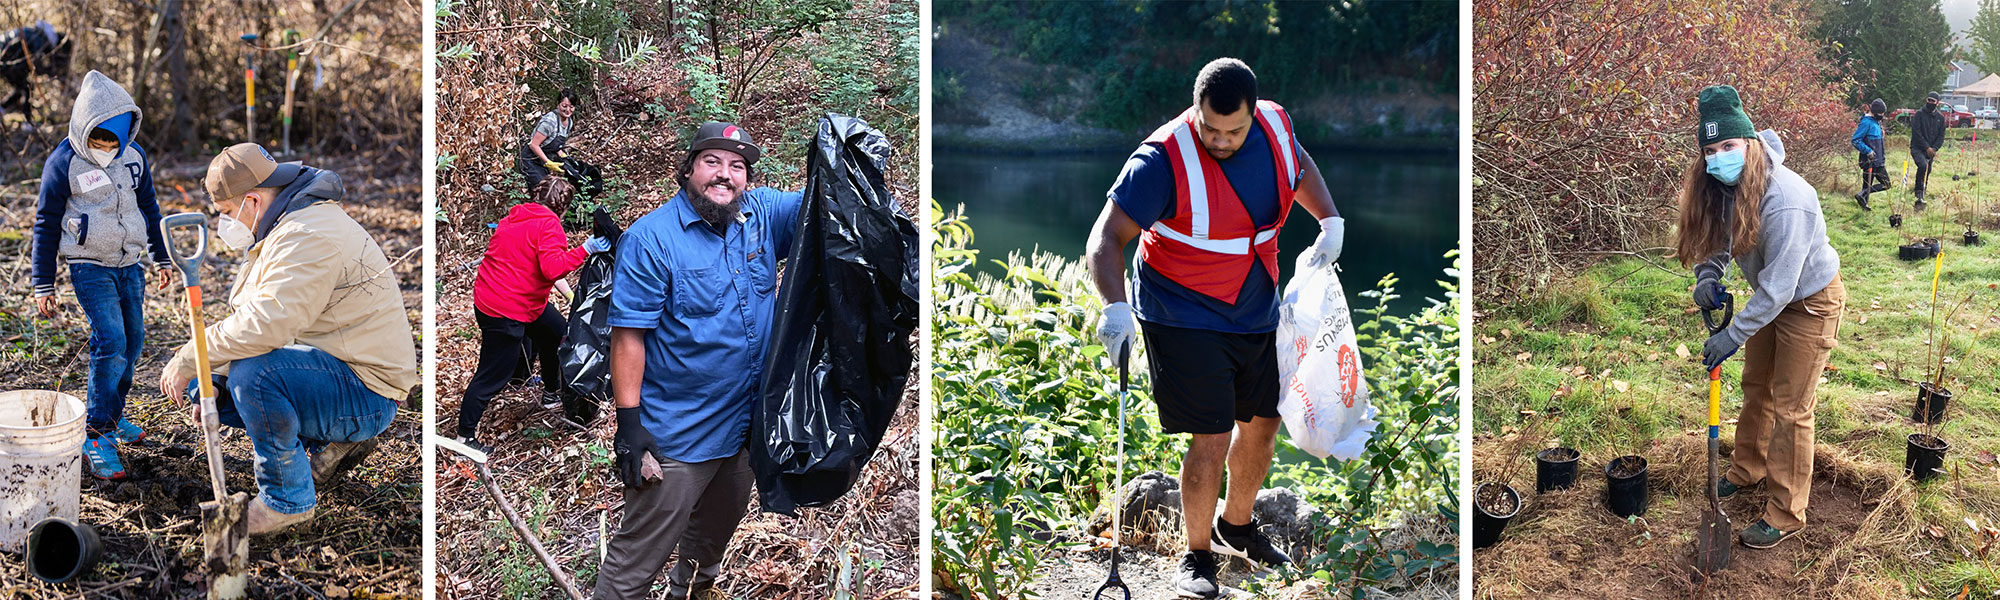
[[1625, 478], [1555, 469], [1917, 251], [1895, 220], [1486, 526], [1931, 401], [1971, 238], [60, 549], [1933, 247], [1923, 457]]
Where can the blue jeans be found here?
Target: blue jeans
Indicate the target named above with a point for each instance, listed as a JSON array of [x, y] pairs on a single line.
[[112, 301], [292, 401]]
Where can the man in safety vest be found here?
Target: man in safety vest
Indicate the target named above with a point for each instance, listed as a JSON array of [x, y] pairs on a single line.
[[1206, 195]]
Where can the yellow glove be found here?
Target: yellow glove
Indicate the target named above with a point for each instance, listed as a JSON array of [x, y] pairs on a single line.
[[553, 165]]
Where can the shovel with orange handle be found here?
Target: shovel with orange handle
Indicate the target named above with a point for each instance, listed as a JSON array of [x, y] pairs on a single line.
[[225, 532]]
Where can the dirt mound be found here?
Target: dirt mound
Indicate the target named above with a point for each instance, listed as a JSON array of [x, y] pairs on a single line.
[[1567, 544]]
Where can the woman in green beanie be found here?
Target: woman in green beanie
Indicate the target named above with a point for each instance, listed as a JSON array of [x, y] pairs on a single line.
[[1738, 201]]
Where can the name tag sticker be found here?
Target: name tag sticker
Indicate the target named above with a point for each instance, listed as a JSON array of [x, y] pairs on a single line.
[[93, 180]]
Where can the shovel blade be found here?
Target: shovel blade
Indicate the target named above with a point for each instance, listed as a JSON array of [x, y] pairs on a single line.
[[1712, 542], [225, 536]]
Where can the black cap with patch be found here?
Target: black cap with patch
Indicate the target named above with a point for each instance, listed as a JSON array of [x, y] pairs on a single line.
[[726, 136]]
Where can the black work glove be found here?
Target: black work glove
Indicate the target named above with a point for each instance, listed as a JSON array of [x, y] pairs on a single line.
[[1708, 294], [1718, 348], [632, 445], [1708, 288]]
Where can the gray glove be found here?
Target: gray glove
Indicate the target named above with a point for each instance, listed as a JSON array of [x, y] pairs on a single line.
[[1718, 348]]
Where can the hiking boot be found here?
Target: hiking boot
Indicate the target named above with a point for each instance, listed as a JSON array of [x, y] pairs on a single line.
[[100, 456], [127, 433], [1862, 197], [265, 520], [475, 445], [1920, 205], [1726, 489], [1245, 541], [1197, 576], [552, 400], [1761, 535], [336, 458]]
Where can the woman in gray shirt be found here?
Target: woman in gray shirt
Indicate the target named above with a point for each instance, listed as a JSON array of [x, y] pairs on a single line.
[[541, 152], [1738, 200]]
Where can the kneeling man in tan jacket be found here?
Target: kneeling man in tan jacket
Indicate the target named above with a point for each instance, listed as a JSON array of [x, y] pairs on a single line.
[[317, 353]]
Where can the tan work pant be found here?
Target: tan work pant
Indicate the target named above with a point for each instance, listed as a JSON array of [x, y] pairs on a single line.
[[1781, 370]]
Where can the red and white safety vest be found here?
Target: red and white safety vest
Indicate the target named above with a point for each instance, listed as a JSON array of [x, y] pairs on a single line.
[[1210, 241]]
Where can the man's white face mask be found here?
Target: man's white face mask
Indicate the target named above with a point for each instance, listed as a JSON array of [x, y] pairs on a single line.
[[235, 235]]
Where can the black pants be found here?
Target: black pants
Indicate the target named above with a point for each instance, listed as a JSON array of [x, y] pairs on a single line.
[[1923, 171], [1874, 176], [504, 345]]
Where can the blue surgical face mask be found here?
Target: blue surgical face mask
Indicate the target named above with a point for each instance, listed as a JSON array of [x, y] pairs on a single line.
[[1726, 166]]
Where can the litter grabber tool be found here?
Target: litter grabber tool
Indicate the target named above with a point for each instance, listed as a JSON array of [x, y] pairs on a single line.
[[1111, 579], [493, 489], [1712, 540], [225, 532]]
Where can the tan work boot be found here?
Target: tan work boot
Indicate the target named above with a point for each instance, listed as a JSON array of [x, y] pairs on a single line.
[[265, 520], [336, 458]]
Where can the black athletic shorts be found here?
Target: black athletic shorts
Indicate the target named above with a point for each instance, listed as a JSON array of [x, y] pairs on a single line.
[[1205, 381]]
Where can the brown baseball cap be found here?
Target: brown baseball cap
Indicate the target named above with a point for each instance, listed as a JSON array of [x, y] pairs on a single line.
[[244, 167], [726, 136]]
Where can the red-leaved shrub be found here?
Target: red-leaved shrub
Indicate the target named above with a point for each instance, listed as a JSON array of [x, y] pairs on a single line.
[[1584, 115]]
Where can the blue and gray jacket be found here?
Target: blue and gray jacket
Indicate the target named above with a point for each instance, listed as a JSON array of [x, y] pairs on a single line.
[[102, 213], [1868, 139]]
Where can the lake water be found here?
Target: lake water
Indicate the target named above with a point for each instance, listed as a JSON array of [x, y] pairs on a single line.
[[1401, 211]]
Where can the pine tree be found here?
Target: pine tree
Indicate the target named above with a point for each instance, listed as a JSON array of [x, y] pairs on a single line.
[[1985, 37], [1897, 50]]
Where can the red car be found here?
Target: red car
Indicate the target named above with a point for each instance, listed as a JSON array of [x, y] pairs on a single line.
[[1954, 116]]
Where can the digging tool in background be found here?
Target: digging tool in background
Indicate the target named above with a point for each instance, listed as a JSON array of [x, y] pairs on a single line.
[[1712, 539], [1111, 579], [225, 532], [493, 489]]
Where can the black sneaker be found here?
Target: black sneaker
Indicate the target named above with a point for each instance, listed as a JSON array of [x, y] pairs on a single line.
[[552, 399], [1247, 541], [1197, 577], [475, 445], [1862, 198], [1920, 205]]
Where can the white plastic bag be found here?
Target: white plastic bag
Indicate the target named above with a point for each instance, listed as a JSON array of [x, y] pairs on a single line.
[[1325, 397]]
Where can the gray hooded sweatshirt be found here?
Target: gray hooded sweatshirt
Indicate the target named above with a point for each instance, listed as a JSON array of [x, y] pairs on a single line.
[[92, 211], [1792, 259]]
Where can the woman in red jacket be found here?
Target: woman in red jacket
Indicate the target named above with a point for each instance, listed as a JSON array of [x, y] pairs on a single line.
[[529, 254]]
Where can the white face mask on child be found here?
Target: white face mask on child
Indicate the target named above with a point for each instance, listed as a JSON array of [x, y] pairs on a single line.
[[102, 157]]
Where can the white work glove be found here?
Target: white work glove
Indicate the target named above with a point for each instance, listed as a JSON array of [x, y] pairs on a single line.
[[1118, 327], [1326, 248]]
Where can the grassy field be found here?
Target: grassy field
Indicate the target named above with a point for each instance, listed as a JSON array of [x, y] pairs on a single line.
[[1609, 365]]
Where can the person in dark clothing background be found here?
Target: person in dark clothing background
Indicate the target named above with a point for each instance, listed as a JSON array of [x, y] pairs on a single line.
[[1868, 143], [1926, 136]]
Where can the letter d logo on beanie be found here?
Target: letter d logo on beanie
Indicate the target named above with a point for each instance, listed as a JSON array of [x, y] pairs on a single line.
[[1711, 129]]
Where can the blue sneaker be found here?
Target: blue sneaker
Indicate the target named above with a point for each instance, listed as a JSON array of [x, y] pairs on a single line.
[[100, 455], [127, 433]]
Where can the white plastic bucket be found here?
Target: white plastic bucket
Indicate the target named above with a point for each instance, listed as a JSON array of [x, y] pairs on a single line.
[[41, 461]]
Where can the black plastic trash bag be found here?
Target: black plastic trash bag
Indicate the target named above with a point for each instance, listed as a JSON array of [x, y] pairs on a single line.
[[588, 179], [586, 348], [841, 350]]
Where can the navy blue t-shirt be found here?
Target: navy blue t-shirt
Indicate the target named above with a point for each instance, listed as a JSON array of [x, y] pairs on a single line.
[[1145, 190]]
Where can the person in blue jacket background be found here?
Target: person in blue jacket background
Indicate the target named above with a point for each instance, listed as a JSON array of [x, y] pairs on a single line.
[[1867, 142], [96, 212]]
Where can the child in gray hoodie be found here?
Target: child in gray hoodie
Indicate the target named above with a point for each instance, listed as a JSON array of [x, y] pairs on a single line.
[[96, 212]]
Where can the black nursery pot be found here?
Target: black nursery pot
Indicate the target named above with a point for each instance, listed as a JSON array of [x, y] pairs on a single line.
[[1971, 238], [1627, 495], [60, 549], [1933, 246], [1923, 456], [1555, 469], [1895, 220], [1917, 251], [1931, 401], [1486, 526]]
